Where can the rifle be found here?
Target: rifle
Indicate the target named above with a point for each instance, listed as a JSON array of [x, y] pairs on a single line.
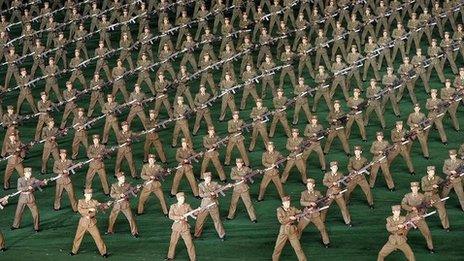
[[422, 208], [411, 222], [447, 181], [307, 211], [322, 202], [131, 192], [194, 212]]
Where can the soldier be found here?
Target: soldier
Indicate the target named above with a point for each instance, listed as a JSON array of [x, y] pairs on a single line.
[[104, 27], [397, 239], [12, 70], [448, 94], [24, 91], [322, 89], [79, 38], [352, 60], [241, 190], [152, 138], [258, 114], [38, 50], [183, 87], [288, 230], [355, 164], [150, 174], [411, 202], [413, 26], [14, 149], [390, 80], [206, 72], [435, 114], [385, 42], [373, 103], [435, 52], [50, 81], [398, 34], [26, 186], [96, 152], [287, 59], [75, 64], [119, 84], [111, 120], [10, 121], [235, 128], [338, 35], [181, 110], [280, 115], [378, 150], [356, 105], [370, 49], [88, 208], [339, 78], [267, 69], [101, 52], [415, 121], [321, 49], [305, 60], [450, 167], [125, 138], [354, 26], [331, 181], [312, 132], [406, 72], [201, 99], [160, 89], [249, 86], [144, 64], [207, 190], [336, 128], [63, 181], [137, 97], [301, 101], [271, 159], [228, 98], [309, 199], [210, 142], [119, 193], [80, 134], [126, 52], [165, 59], [189, 46], [447, 45], [96, 95], [49, 134], [180, 227], [295, 157], [430, 184], [418, 63], [367, 25], [60, 46], [44, 106], [208, 40], [183, 156], [402, 146], [69, 95]]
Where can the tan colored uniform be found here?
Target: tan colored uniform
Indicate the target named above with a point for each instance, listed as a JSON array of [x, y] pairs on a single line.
[[268, 159], [181, 125], [121, 206], [337, 130], [95, 96], [227, 99], [279, 116], [26, 198], [15, 162], [355, 164], [152, 139], [373, 105], [137, 109], [456, 184], [416, 118], [241, 191], [44, 116], [377, 149], [288, 231], [180, 228], [352, 102], [119, 85], [70, 107], [50, 146], [186, 169], [212, 154], [162, 97], [250, 88], [396, 240], [409, 201], [202, 112], [88, 223], [151, 185], [329, 179], [447, 94], [403, 150], [125, 152], [96, 166], [205, 194], [51, 82], [234, 128], [390, 81], [432, 193], [24, 93], [259, 127], [431, 104], [308, 197], [295, 158], [60, 167], [312, 131], [301, 103], [80, 135], [111, 120]]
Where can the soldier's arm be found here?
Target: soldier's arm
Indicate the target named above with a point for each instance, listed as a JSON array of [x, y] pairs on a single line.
[[21, 186], [56, 169], [289, 146], [326, 181], [410, 123], [264, 161], [303, 200], [425, 186], [113, 193], [373, 150], [391, 227], [350, 166], [405, 205], [178, 156], [461, 151]]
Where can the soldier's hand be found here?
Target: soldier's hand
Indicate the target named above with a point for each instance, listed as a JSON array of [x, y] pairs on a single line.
[[30, 187], [453, 172], [400, 226], [451, 178], [122, 195], [435, 186], [292, 218], [414, 209], [92, 209], [334, 183]]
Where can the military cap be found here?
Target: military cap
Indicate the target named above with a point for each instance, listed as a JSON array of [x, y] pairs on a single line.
[[448, 80], [124, 123], [433, 90], [259, 100], [151, 156], [414, 184], [27, 169], [338, 56], [235, 113], [210, 127], [43, 93], [310, 180], [333, 163], [379, 133], [180, 194], [399, 123], [206, 174], [356, 90], [88, 191], [452, 152], [180, 98], [396, 208], [80, 109], [95, 136], [119, 174], [183, 140], [285, 198], [357, 148], [109, 96], [270, 143], [151, 111], [416, 105], [313, 117], [62, 151], [23, 69], [337, 101], [429, 168], [295, 130], [10, 107], [280, 90]]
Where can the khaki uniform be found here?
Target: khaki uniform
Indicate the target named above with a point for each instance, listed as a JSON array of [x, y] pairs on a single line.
[[351, 60], [295, 158], [339, 80], [241, 191], [26, 198], [80, 135], [287, 59], [328, 180], [151, 185], [409, 201], [96, 166], [355, 164], [312, 131], [24, 93], [38, 60], [50, 82], [79, 37], [404, 72], [88, 223], [432, 194], [121, 206], [102, 64], [236, 140], [259, 127], [279, 116], [181, 125], [417, 62], [390, 81], [370, 60], [447, 94], [268, 159], [125, 54], [50, 146], [352, 103], [249, 88], [60, 167], [301, 103], [321, 51], [186, 169], [119, 85], [70, 107], [288, 231], [320, 80], [396, 240], [446, 45], [152, 140], [456, 184], [95, 96], [205, 194], [60, 45], [124, 137], [212, 154], [268, 80], [416, 118], [227, 99], [207, 75], [10, 122], [432, 107], [136, 108], [44, 108], [160, 88], [77, 72], [203, 111], [337, 130], [305, 59], [306, 200], [12, 69], [397, 34], [385, 42], [189, 56], [377, 150], [15, 162], [397, 137], [111, 120], [436, 63], [180, 228], [183, 88], [373, 105], [144, 76]]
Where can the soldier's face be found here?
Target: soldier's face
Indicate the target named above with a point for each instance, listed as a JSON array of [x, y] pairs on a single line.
[[399, 126], [334, 168], [124, 127], [80, 113], [310, 186], [295, 134], [270, 148], [63, 156], [379, 138], [286, 204], [430, 173], [416, 109], [314, 121], [10, 111], [181, 199], [96, 141], [357, 153], [239, 164], [396, 213], [207, 179], [184, 144], [211, 132], [453, 156], [258, 104], [414, 189], [121, 179], [27, 174], [235, 116], [88, 196]]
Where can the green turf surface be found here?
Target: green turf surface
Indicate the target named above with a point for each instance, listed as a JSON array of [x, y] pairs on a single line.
[[245, 240]]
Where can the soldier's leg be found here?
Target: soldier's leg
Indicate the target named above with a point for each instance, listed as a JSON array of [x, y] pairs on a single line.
[[214, 213], [72, 198], [439, 125], [367, 191], [387, 175], [385, 251], [329, 141], [130, 217], [204, 165], [201, 218], [58, 193], [278, 185], [317, 221], [243, 153], [373, 176], [112, 219], [142, 199], [189, 244], [159, 194], [102, 174], [248, 205], [18, 214], [440, 206], [173, 243], [95, 233], [300, 164], [262, 187], [423, 143], [254, 136], [452, 111], [130, 162], [45, 156], [459, 192], [80, 232], [288, 168], [425, 231], [345, 213], [219, 169], [233, 204], [279, 245], [295, 242], [192, 181]]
